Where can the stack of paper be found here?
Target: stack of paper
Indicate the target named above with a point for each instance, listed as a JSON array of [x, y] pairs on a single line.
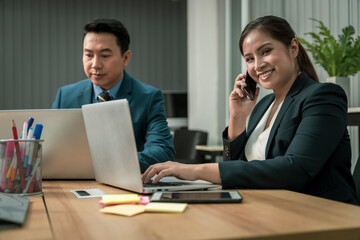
[[166, 207], [112, 199], [126, 210], [132, 204]]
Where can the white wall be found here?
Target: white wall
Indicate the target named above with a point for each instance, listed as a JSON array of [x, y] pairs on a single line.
[[206, 83]]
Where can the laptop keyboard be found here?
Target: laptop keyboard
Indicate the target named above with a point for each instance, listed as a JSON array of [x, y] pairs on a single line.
[[161, 184]]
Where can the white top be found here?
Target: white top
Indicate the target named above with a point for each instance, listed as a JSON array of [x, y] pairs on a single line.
[[256, 145]]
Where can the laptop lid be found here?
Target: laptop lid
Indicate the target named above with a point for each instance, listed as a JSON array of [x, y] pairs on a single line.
[[65, 149], [113, 149]]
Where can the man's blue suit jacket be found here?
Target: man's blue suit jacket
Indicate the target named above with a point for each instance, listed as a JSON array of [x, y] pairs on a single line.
[[153, 138], [308, 149]]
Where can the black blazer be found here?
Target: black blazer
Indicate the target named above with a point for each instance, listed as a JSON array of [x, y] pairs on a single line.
[[308, 149]]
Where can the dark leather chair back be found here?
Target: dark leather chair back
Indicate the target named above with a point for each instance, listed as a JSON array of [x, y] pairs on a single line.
[[185, 141]]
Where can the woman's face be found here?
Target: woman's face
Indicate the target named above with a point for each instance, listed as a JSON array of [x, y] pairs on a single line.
[[269, 62]]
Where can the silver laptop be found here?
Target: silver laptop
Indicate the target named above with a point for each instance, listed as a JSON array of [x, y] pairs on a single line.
[[65, 149], [114, 154]]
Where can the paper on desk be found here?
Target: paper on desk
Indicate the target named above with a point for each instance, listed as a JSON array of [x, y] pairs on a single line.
[[165, 207], [126, 209], [131, 210], [120, 198], [143, 201], [88, 193]]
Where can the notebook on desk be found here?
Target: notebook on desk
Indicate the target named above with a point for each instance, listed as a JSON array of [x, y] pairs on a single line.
[[13, 210], [114, 154], [65, 150]]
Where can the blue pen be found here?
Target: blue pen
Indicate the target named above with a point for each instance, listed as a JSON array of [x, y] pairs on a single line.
[[28, 150], [30, 122], [30, 169], [37, 131], [36, 135]]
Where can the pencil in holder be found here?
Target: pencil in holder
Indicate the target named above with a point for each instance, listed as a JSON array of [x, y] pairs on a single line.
[[20, 166]]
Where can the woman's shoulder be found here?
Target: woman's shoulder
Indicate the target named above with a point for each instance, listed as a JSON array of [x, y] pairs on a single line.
[[327, 89], [308, 89], [326, 94]]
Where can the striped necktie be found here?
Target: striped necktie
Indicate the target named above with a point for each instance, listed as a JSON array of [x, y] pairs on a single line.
[[104, 96]]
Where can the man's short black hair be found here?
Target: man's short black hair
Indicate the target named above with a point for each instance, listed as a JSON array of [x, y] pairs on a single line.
[[110, 26]]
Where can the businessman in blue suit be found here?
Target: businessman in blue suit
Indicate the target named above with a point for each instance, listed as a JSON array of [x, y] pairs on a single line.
[[105, 55]]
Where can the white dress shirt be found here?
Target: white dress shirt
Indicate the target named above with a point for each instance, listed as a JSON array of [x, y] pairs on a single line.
[[256, 145]]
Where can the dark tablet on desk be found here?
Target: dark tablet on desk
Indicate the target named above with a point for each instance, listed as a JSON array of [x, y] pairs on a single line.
[[198, 197]]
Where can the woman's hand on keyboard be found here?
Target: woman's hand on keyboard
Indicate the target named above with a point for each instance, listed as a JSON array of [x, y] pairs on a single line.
[[208, 172]]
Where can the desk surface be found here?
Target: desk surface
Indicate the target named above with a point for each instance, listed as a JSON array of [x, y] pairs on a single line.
[[36, 225], [263, 214], [354, 110], [209, 148], [275, 214]]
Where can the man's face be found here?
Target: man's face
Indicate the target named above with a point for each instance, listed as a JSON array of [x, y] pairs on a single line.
[[102, 59]]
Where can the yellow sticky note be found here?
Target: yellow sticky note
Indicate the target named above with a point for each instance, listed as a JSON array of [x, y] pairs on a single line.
[[165, 207], [120, 198], [127, 210]]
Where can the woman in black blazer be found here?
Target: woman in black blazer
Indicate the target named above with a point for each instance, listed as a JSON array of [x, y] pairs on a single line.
[[295, 139]]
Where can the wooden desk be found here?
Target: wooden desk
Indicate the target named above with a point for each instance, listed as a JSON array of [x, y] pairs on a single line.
[[264, 214], [36, 224]]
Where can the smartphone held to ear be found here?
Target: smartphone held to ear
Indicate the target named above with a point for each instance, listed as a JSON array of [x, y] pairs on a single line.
[[250, 87]]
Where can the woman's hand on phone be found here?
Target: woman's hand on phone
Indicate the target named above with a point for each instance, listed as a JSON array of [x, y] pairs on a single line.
[[239, 104], [240, 107]]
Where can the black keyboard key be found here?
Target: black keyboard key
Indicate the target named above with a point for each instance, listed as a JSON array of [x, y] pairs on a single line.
[[162, 184]]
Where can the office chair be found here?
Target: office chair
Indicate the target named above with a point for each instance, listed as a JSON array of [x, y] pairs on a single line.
[[356, 176], [185, 141]]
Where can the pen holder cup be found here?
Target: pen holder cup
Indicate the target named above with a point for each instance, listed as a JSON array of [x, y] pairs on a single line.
[[21, 176]]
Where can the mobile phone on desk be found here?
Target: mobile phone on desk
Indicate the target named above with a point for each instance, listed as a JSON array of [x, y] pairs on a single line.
[[250, 87], [197, 197]]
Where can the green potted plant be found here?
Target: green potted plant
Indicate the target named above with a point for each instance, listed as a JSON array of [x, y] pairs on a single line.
[[340, 58]]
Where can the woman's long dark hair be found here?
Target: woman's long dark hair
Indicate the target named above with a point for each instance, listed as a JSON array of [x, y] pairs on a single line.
[[280, 30]]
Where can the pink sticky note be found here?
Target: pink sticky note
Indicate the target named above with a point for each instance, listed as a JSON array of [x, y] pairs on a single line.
[[144, 200]]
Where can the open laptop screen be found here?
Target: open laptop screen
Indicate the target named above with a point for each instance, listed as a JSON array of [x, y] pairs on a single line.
[[65, 149]]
